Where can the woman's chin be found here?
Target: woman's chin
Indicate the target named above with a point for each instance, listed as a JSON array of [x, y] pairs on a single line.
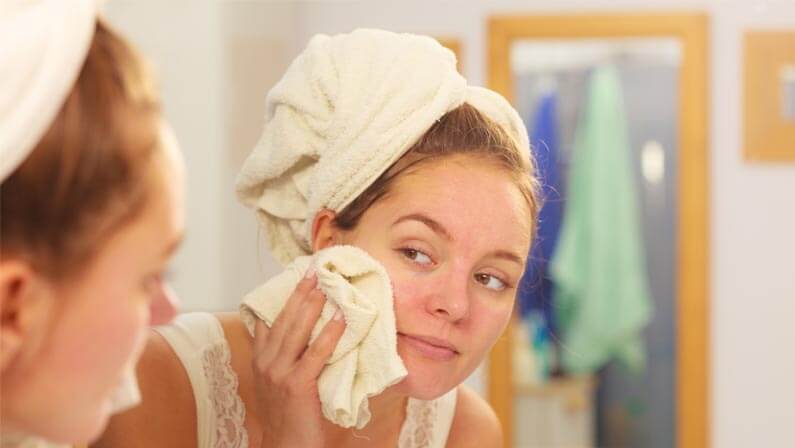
[[423, 390], [94, 425], [90, 422], [425, 381], [79, 429]]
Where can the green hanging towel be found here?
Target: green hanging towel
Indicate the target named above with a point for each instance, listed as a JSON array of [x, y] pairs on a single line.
[[599, 270]]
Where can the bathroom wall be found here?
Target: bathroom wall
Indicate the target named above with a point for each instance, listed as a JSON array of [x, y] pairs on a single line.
[[214, 62]]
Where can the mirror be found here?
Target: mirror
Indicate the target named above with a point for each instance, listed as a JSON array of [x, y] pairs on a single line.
[[658, 64]]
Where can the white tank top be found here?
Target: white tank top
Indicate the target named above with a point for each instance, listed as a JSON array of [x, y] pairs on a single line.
[[199, 342]]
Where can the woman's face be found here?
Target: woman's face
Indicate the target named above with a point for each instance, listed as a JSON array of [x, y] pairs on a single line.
[[454, 237], [95, 328]]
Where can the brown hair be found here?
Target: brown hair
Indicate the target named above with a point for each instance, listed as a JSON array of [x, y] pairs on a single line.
[[463, 130], [87, 176]]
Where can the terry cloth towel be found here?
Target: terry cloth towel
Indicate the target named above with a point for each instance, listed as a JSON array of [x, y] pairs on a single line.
[[348, 107], [365, 361], [602, 296], [42, 47]]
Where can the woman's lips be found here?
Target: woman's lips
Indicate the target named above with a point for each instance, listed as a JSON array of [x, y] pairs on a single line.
[[430, 347]]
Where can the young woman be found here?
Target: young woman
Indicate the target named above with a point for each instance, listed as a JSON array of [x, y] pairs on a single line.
[[91, 213], [372, 140]]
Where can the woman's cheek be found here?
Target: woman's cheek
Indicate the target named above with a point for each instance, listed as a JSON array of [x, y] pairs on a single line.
[[491, 318], [130, 324], [406, 292]]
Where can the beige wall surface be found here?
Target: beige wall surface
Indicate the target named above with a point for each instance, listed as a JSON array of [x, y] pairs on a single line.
[[214, 62]]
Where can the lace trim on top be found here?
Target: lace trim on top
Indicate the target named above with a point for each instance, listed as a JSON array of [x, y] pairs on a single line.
[[417, 430], [230, 413]]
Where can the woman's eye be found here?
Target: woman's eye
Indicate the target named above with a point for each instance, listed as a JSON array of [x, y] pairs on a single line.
[[416, 256], [490, 281]]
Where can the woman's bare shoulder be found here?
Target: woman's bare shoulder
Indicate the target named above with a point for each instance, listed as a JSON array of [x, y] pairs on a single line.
[[166, 416], [240, 342], [475, 424], [235, 331]]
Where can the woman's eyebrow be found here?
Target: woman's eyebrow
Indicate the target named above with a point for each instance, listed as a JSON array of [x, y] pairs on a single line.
[[507, 255], [434, 225], [440, 230]]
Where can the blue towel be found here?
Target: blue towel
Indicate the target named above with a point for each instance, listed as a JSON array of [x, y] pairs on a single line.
[[535, 290], [602, 295]]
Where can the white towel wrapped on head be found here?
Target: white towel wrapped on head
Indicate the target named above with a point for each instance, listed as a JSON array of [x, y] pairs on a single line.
[[43, 44], [365, 361], [348, 107]]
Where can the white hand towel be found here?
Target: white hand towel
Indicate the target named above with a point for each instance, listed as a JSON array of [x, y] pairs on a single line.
[[348, 107], [365, 361]]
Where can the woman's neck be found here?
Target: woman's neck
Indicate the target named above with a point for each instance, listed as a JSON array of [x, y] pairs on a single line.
[[387, 413]]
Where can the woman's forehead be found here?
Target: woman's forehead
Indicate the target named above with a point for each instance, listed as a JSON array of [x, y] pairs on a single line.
[[464, 196], [450, 178]]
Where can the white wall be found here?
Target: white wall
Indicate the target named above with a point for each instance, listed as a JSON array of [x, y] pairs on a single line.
[[214, 63], [753, 242], [752, 206], [186, 59], [257, 46]]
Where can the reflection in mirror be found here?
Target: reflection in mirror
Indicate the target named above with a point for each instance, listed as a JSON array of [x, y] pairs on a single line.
[[599, 107]]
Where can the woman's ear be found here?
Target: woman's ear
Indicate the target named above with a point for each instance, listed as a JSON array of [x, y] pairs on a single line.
[[324, 230], [15, 280], [17, 302]]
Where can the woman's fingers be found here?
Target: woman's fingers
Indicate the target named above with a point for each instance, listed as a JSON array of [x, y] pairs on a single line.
[[260, 335], [262, 355], [316, 355], [298, 337], [288, 314], [281, 351], [286, 372]]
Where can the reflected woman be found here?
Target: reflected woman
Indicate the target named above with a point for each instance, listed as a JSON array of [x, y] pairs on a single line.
[[373, 140], [91, 201]]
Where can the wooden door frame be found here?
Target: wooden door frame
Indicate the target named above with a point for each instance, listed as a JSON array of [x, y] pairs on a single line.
[[692, 228]]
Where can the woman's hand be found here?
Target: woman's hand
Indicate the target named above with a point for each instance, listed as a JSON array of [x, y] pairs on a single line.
[[286, 369]]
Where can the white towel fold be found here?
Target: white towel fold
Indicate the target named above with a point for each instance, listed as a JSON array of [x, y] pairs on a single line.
[[365, 361], [348, 107]]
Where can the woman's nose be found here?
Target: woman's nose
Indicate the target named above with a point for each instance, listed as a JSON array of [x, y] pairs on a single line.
[[451, 300], [164, 307]]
